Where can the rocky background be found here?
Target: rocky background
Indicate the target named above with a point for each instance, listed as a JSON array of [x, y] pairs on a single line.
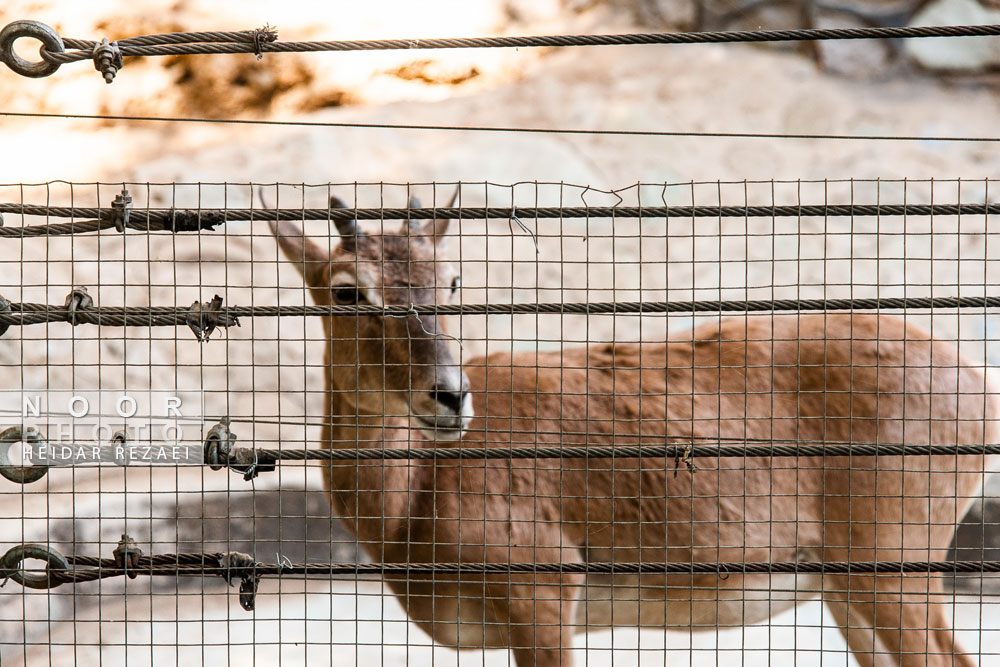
[[928, 88]]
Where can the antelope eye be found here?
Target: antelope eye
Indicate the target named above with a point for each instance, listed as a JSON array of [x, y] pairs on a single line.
[[347, 295], [456, 283]]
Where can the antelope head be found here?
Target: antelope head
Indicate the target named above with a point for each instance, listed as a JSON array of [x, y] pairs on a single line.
[[403, 365]]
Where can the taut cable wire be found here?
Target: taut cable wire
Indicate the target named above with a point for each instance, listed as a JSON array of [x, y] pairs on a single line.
[[193, 220], [23, 314], [107, 55]]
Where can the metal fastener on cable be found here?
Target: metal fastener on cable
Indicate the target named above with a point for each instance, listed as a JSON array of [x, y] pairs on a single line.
[[78, 299], [108, 59], [203, 318], [127, 555], [237, 565], [221, 452], [120, 208]]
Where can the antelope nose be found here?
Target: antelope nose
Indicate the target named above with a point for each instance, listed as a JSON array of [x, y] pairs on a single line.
[[448, 397]]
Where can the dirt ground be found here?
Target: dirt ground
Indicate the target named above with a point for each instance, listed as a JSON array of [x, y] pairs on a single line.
[[271, 368]]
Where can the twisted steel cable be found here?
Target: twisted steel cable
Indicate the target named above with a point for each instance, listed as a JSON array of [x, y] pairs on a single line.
[[213, 43], [22, 314], [193, 220], [107, 56], [83, 569]]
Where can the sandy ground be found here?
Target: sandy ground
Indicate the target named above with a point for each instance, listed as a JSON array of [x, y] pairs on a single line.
[[271, 368]]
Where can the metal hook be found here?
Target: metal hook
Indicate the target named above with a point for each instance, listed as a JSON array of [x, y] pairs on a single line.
[[15, 473], [10, 565], [50, 39]]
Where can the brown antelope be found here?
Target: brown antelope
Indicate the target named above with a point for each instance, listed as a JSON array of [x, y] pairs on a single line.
[[852, 378]]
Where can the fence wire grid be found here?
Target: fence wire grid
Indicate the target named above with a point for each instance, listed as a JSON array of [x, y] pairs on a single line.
[[371, 423]]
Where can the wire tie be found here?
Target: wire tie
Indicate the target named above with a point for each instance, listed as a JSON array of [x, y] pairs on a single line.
[[127, 555], [283, 562], [250, 473], [108, 59], [260, 36], [120, 208], [412, 310], [77, 299], [687, 460], [524, 228]]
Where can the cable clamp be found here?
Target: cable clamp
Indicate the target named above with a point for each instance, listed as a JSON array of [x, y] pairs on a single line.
[[203, 318], [127, 555], [120, 208], [108, 59], [235, 564], [221, 452], [77, 299], [218, 445]]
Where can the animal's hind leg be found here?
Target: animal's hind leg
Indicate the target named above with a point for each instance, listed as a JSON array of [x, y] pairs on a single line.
[[892, 620]]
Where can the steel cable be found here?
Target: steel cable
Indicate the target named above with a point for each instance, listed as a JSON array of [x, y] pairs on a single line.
[[23, 314]]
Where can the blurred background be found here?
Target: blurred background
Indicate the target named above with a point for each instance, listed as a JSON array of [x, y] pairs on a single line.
[[919, 88]]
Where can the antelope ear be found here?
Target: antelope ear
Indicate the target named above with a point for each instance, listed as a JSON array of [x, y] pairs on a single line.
[[439, 228], [347, 227], [310, 259], [305, 255]]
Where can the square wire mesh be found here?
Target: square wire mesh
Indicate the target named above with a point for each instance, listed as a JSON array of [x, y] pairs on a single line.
[[743, 458]]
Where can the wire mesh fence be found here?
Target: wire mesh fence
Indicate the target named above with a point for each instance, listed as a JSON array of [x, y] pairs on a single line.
[[371, 422]]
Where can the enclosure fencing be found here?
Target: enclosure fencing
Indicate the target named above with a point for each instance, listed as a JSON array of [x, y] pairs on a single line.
[[844, 445]]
